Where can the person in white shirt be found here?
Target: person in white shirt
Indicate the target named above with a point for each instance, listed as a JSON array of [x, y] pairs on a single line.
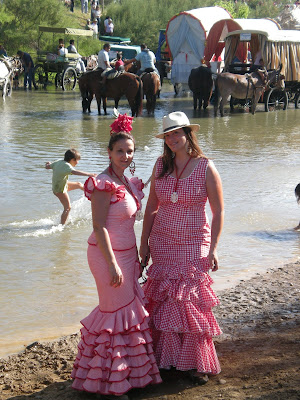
[[109, 27], [62, 51], [95, 27], [147, 59], [72, 49], [103, 63], [103, 57]]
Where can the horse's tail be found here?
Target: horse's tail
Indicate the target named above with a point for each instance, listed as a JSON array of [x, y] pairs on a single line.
[[139, 97]]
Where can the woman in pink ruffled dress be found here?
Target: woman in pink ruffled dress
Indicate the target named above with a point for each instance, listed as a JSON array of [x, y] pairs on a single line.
[[177, 235], [115, 352]]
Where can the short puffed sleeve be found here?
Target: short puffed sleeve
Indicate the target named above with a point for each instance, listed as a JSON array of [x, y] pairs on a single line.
[[101, 183]]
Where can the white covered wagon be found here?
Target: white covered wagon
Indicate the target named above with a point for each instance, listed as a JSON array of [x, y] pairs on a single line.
[[186, 35]]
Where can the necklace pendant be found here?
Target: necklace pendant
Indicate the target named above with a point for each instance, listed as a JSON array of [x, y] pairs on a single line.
[[174, 197], [139, 215]]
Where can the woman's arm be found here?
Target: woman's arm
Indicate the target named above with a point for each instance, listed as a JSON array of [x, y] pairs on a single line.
[[150, 214], [215, 198], [100, 205]]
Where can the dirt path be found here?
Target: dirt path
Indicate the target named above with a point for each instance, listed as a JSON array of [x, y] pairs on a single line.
[[259, 352]]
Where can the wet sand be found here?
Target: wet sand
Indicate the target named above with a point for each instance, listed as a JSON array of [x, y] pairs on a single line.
[[259, 351]]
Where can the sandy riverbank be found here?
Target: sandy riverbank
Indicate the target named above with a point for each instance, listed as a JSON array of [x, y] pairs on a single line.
[[259, 351]]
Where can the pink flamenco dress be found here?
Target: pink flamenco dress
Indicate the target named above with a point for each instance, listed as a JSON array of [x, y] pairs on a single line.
[[115, 351], [178, 289]]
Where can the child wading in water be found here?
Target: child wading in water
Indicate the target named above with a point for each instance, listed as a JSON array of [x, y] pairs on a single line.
[[297, 194], [60, 184]]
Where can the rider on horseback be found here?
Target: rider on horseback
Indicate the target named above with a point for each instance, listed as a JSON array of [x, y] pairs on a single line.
[[147, 59], [104, 64]]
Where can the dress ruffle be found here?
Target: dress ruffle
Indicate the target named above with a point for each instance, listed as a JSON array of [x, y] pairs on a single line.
[[139, 186], [102, 184], [115, 352], [118, 191], [180, 300]]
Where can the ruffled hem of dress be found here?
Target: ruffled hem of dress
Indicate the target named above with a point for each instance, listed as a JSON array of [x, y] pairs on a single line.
[[115, 352], [186, 352], [180, 299]]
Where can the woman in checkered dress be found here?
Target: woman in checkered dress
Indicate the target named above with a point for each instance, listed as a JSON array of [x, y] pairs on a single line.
[[177, 235]]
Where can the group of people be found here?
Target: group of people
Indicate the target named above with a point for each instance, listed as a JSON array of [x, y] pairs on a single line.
[[124, 343], [62, 53], [146, 58]]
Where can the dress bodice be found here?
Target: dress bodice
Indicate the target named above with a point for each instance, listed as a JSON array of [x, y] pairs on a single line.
[[185, 220], [122, 211]]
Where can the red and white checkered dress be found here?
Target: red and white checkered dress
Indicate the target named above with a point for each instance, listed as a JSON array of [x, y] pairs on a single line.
[[178, 289]]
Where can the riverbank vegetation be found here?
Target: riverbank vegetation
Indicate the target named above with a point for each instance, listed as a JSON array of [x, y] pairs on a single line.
[[138, 19]]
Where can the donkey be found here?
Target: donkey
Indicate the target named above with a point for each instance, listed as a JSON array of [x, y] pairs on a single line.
[[245, 86]]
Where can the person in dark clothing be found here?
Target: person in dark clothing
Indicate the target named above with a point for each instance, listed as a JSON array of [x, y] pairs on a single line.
[[28, 68], [2, 51]]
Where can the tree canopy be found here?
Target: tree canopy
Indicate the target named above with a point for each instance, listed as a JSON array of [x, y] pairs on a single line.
[[138, 19]]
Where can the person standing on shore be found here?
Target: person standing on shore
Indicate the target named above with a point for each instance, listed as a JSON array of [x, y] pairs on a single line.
[[115, 352], [183, 247], [60, 184]]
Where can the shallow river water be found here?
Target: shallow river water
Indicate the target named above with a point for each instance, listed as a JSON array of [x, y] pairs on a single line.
[[46, 286]]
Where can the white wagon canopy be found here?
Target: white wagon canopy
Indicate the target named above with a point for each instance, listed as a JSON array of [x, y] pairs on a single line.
[[215, 39], [276, 47], [186, 35]]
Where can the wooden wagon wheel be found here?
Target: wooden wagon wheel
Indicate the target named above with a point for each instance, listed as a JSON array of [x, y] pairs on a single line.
[[69, 79], [40, 76], [276, 99], [297, 100]]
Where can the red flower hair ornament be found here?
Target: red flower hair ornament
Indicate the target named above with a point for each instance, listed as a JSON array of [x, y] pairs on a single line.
[[123, 123]]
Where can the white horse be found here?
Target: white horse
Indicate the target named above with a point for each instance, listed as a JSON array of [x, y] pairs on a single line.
[[6, 74], [9, 67]]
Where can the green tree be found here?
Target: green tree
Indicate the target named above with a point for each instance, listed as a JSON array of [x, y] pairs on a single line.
[[141, 20], [20, 20], [236, 9]]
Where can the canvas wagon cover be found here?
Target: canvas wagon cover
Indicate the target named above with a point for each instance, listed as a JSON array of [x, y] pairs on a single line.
[[66, 31], [281, 47], [186, 35], [215, 39]]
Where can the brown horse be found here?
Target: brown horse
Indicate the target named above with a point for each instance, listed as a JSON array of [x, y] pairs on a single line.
[[126, 84], [248, 86], [151, 86]]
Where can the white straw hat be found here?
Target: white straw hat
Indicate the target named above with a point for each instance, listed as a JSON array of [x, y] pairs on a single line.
[[176, 120]]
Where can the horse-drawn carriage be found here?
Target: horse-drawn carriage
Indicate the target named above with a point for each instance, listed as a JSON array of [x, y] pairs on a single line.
[[63, 70], [277, 48]]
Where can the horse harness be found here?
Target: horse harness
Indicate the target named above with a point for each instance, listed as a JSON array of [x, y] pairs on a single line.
[[265, 82]]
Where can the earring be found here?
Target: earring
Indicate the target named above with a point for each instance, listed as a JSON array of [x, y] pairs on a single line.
[[132, 167], [173, 154]]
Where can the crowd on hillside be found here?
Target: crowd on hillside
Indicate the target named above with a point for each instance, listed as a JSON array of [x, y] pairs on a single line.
[[93, 23]]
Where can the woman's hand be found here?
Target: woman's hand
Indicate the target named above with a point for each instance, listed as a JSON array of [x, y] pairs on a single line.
[[213, 261], [144, 254], [116, 276]]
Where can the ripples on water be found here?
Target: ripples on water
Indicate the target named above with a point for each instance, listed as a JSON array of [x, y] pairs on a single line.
[[46, 286]]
